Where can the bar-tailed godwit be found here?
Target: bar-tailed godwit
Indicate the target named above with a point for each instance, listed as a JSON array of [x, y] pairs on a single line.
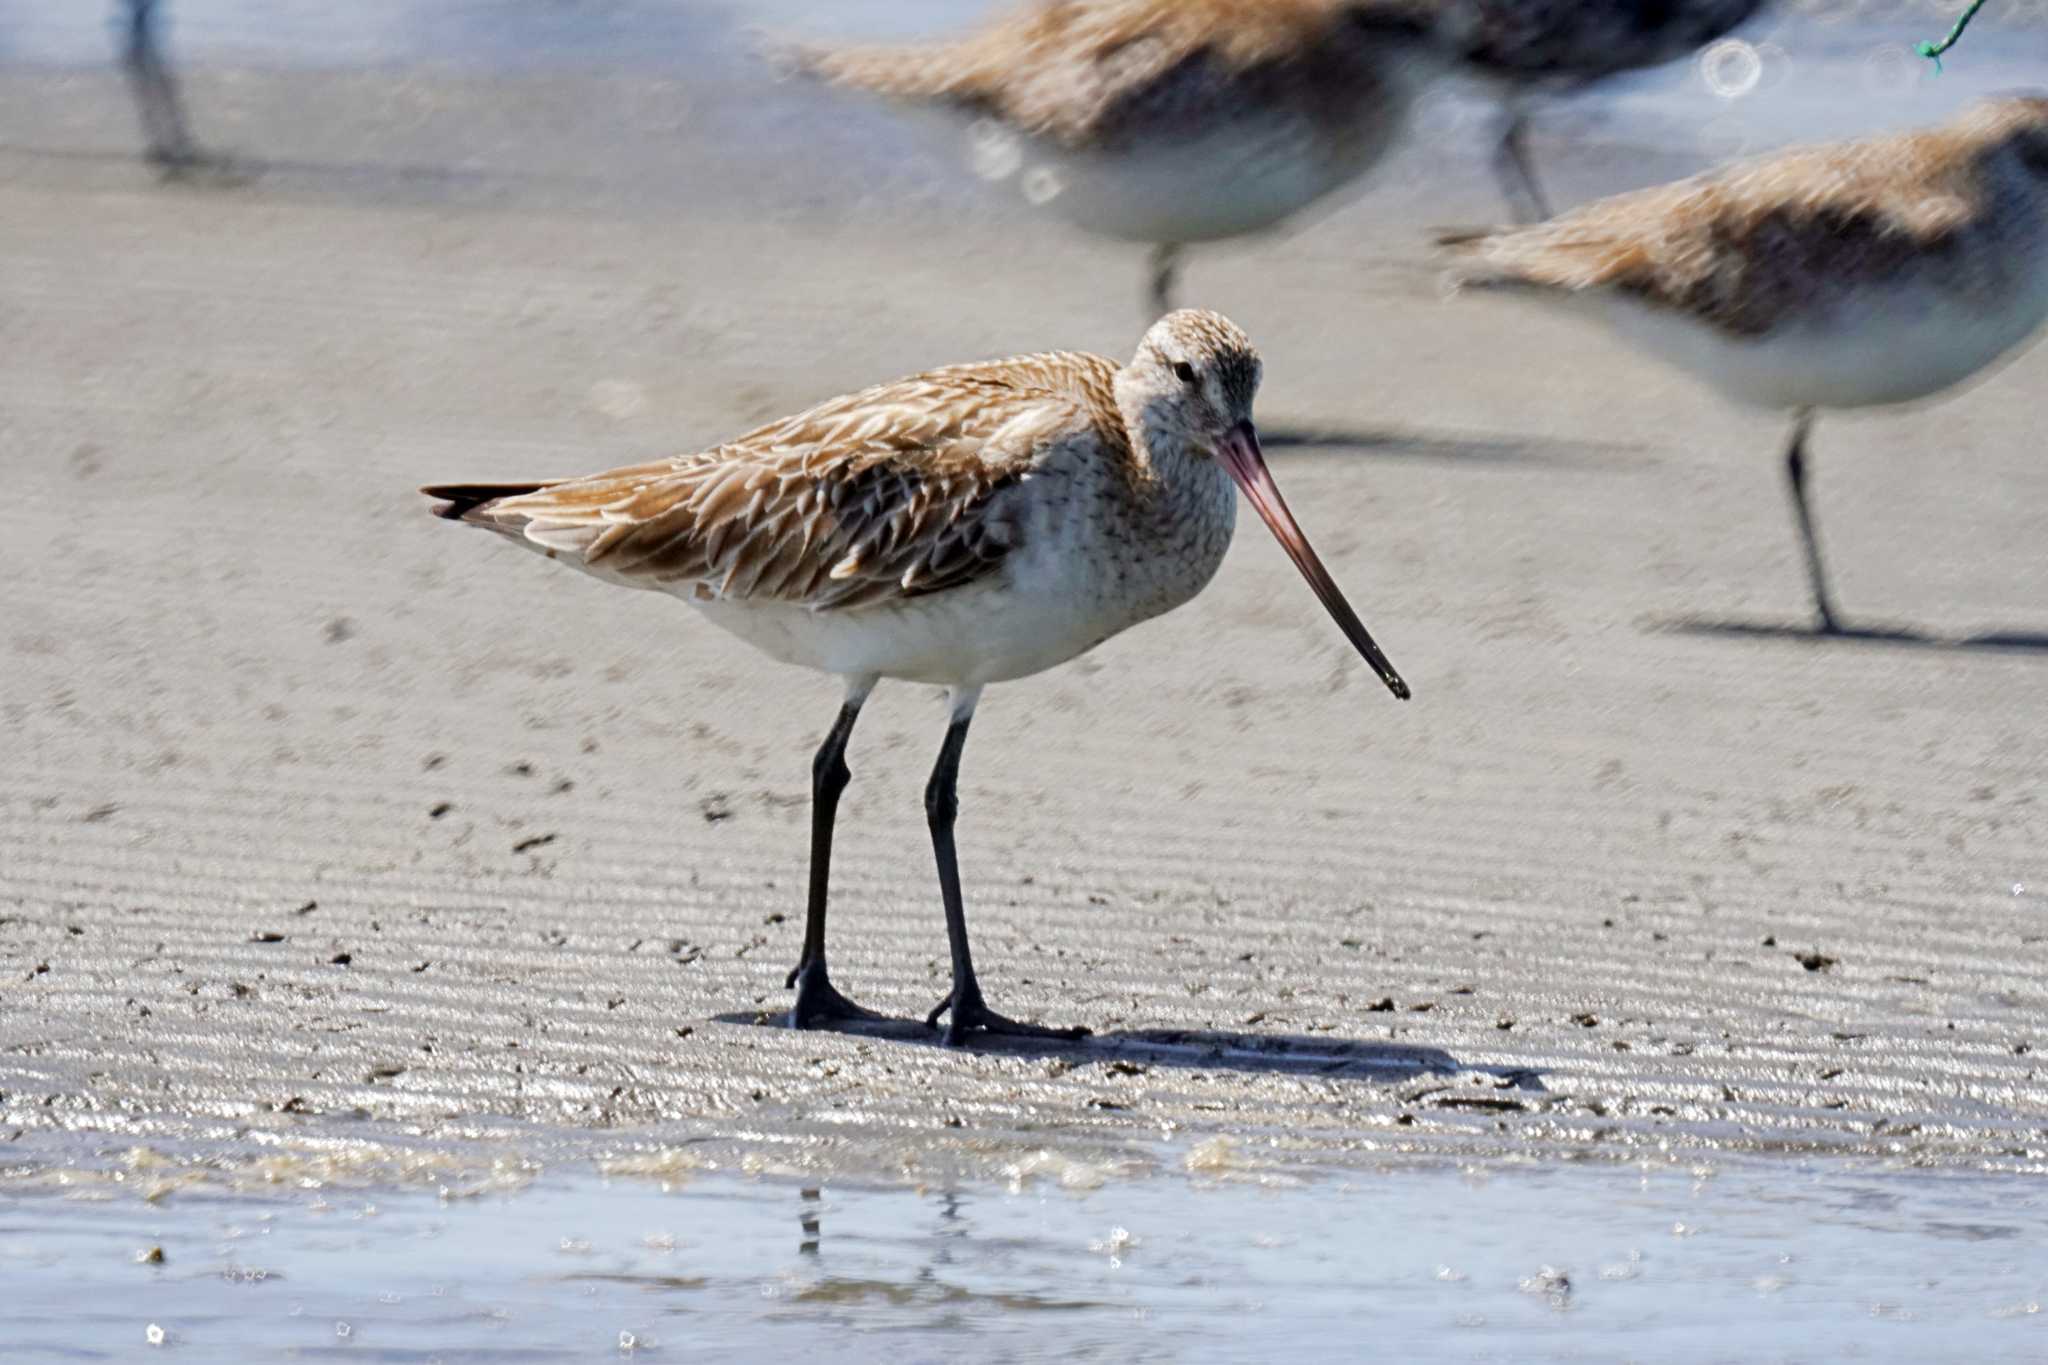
[[966, 526], [1843, 276], [1163, 121]]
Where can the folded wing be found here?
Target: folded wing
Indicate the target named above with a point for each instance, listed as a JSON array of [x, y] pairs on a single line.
[[884, 495], [1739, 248], [1074, 70]]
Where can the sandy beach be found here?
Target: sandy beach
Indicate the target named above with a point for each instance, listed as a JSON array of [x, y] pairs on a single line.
[[330, 826]]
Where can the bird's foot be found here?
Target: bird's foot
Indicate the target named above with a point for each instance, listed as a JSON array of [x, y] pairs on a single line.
[[818, 1001], [191, 163], [969, 1014]]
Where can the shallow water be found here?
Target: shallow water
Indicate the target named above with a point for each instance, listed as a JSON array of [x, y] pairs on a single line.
[[1746, 1262]]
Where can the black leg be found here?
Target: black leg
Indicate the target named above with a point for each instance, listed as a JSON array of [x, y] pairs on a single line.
[[816, 1000], [156, 92], [1165, 262], [1795, 474], [1517, 176], [172, 148], [969, 1011]]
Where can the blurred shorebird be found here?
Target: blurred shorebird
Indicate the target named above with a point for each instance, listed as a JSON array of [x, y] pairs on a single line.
[[1530, 48], [965, 526], [1163, 121], [1850, 275]]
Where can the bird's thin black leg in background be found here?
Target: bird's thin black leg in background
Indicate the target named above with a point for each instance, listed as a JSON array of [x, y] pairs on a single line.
[[941, 805], [156, 91], [817, 1001], [1165, 263], [1795, 474], [1517, 176]]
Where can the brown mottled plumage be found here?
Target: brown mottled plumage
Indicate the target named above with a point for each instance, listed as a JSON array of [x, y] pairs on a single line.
[[1752, 246], [1096, 72], [1864, 273], [1165, 121], [1114, 75], [882, 494], [968, 525]]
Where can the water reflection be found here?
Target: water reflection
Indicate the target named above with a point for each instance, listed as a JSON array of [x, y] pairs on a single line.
[[808, 1216], [1776, 1260]]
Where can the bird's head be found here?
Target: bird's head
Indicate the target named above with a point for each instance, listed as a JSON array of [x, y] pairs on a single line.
[[1190, 388], [1192, 380]]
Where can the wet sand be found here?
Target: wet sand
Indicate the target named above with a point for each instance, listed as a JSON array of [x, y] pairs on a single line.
[[331, 827]]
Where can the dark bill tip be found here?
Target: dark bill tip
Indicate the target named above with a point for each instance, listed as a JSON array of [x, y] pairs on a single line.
[[1247, 465]]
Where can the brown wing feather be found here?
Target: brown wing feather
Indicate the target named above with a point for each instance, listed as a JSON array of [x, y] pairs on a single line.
[[1072, 69], [883, 495], [1741, 247]]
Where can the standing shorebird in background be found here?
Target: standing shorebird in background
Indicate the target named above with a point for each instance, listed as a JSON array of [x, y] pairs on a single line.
[[1529, 48], [965, 526], [1844, 276], [1162, 121]]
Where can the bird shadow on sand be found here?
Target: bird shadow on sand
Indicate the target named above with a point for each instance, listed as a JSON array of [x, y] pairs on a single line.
[[1196, 1050], [234, 170], [1990, 642], [208, 169], [1305, 438]]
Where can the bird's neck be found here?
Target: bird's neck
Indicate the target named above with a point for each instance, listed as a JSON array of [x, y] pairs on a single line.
[[1160, 454], [1180, 496], [1159, 443], [1176, 489]]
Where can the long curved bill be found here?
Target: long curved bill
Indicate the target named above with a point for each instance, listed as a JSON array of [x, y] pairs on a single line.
[[1247, 465]]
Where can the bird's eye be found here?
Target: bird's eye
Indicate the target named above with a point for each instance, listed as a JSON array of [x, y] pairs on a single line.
[[1184, 372]]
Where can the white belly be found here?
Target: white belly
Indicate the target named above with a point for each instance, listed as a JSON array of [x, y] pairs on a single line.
[[1222, 177], [1887, 346], [1244, 178], [963, 637], [1069, 587]]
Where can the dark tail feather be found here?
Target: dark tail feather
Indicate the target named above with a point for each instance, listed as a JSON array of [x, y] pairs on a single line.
[[464, 498]]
